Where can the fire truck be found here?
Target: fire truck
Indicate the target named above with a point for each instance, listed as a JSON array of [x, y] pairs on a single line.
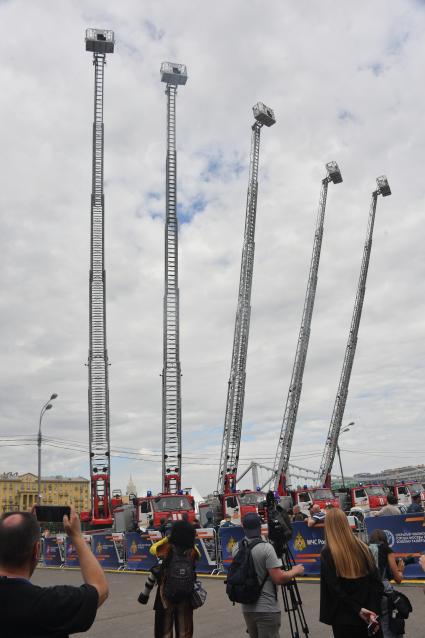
[[308, 496], [235, 504], [154, 511], [368, 497], [404, 491]]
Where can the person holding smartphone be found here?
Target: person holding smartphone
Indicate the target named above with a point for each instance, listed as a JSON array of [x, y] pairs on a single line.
[[30, 611]]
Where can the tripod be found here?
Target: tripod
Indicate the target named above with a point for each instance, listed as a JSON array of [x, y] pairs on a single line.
[[292, 602]]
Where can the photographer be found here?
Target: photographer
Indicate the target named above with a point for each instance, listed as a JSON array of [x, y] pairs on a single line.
[[30, 611], [262, 618]]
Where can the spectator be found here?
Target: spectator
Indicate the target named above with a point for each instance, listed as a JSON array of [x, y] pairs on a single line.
[[181, 542], [227, 521], [297, 514], [416, 505], [388, 568], [391, 508], [262, 618], [29, 610], [316, 516], [210, 519], [350, 586]]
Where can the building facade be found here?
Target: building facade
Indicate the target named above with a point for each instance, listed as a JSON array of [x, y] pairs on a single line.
[[19, 491]]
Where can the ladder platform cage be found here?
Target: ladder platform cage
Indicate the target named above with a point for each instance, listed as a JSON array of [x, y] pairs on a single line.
[[173, 73], [100, 41], [383, 186], [264, 114], [334, 172]]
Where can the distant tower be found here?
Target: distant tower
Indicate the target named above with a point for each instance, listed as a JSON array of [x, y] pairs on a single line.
[[131, 488], [99, 42], [173, 75]]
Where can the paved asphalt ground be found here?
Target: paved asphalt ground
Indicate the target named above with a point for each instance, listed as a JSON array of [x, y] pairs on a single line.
[[123, 617]]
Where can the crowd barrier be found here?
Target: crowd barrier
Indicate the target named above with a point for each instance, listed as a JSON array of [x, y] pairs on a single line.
[[406, 536]]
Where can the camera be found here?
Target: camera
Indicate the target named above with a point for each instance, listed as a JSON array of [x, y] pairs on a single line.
[[278, 522], [149, 584]]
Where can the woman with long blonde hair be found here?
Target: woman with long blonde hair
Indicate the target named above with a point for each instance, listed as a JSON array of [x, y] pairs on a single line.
[[350, 586]]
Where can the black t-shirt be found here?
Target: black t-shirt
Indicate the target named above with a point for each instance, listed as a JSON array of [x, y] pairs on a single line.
[[29, 611]]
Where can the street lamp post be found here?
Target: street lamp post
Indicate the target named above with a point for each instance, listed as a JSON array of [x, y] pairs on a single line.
[[46, 406], [345, 429]]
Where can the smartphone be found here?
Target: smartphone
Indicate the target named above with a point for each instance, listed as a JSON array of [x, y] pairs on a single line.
[[373, 627], [51, 513]]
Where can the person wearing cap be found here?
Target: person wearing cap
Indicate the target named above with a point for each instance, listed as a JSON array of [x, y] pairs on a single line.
[[263, 617]]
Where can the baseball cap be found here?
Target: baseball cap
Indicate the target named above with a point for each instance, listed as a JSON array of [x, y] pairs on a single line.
[[251, 524]]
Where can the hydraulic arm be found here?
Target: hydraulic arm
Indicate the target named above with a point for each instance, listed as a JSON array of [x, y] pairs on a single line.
[[99, 42], [294, 394], [173, 75], [236, 385], [350, 351]]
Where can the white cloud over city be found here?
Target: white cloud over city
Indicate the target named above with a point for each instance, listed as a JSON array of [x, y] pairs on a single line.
[[346, 84]]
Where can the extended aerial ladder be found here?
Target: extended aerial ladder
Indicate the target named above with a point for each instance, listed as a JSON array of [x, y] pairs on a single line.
[[264, 116], [350, 351], [99, 42], [280, 466], [173, 75]]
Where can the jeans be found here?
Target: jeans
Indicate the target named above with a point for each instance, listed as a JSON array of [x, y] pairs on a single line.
[[262, 624]]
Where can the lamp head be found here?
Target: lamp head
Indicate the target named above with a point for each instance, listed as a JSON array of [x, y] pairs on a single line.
[[54, 396]]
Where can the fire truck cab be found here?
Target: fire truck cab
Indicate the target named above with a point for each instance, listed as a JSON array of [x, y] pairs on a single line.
[[235, 505], [152, 511], [307, 497], [404, 492], [368, 497]]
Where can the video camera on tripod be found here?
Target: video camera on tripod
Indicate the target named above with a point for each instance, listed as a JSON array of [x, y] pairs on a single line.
[[280, 533]]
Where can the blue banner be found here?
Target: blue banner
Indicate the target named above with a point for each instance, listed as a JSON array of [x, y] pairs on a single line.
[[306, 544], [206, 542], [51, 552], [103, 547], [406, 537], [71, 556], [137, 551], [228, 537]]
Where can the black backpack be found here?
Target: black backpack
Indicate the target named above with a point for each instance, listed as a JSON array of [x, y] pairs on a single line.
[[179, 576], [242, 584], [399, 608]]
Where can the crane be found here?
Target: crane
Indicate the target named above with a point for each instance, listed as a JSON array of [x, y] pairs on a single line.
[[350, 351], [99, 42], [173, 75], [264, 116], [333, 174]]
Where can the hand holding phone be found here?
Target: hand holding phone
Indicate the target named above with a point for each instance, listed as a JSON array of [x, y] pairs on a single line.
[[373, 627], [51, 513]]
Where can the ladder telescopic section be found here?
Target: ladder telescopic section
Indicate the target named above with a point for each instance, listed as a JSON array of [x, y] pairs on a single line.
[[99, 42], [294, 394], [350, 351], [173, 75], [236, 385]]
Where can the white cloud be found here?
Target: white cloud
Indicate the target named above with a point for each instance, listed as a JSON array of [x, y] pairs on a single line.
[[312, 63]]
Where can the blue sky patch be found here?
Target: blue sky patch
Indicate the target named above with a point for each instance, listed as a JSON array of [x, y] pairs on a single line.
[[186, 212]]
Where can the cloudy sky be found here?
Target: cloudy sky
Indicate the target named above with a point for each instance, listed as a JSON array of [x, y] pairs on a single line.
[[346, 83]]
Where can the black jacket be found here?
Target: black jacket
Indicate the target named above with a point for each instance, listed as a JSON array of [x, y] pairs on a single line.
[[342, 598]]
